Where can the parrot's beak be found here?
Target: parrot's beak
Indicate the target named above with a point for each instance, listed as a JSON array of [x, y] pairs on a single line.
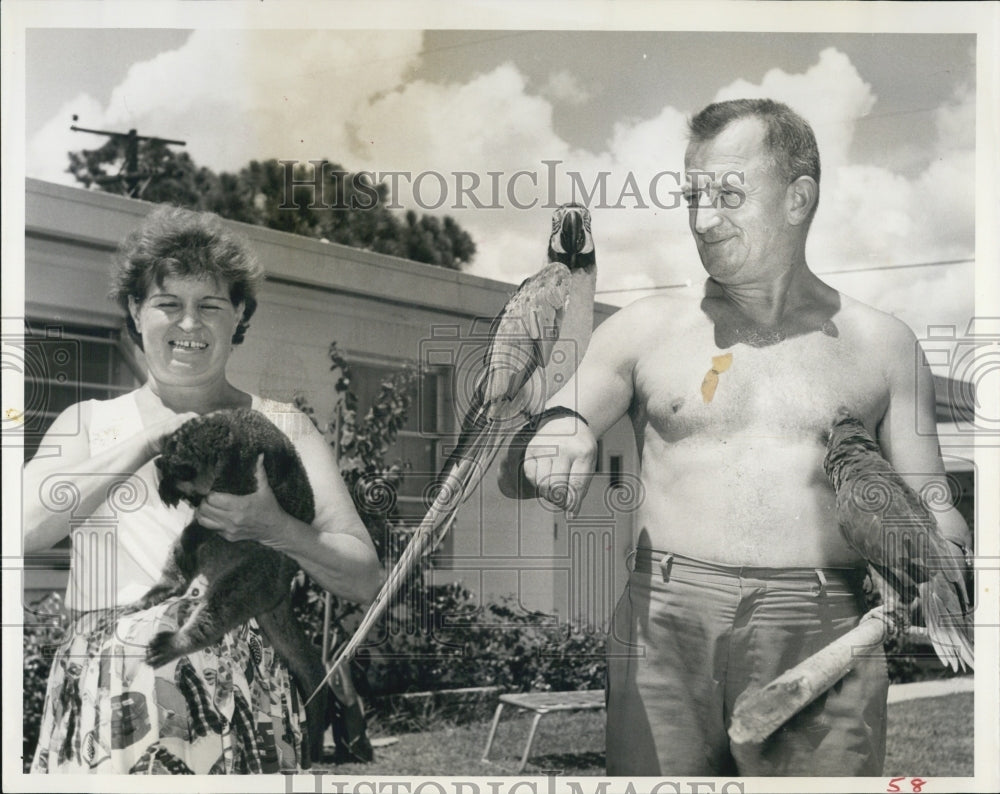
[[572, 236]]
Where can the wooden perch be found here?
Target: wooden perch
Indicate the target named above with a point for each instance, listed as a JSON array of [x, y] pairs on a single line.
[[760, 712]]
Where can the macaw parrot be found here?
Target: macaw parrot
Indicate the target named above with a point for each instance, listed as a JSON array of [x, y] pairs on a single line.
[[535, 345], [884, 520]]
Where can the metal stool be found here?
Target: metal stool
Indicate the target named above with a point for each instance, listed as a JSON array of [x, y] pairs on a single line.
[[543, 703]]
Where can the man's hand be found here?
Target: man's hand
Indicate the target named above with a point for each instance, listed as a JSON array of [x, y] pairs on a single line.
[[256, 516], [559, 463]]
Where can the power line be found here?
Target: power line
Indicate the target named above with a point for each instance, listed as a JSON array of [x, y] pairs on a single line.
[[897, 267], [939, 263], [644, 289]]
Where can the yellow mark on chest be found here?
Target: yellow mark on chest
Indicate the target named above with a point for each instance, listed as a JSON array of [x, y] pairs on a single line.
[[711, 381]]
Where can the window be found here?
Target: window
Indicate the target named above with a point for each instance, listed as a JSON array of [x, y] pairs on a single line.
[[418, 445], [64, 364]]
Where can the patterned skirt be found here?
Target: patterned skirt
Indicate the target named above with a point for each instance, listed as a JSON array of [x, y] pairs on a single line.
[[229, 709]]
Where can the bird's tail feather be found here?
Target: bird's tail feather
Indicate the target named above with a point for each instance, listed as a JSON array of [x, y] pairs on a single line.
[[948, 624], [419, 544], [462, 476]]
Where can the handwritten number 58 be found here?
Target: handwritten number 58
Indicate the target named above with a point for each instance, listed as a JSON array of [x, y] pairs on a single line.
[[916, 784]]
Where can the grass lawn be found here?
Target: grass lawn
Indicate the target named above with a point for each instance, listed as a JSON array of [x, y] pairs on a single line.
[[926, 738], [932, 736]]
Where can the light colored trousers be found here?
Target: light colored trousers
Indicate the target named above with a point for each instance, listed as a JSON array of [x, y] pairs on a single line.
[[689, 636]]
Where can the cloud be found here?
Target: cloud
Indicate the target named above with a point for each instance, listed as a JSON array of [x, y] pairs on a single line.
[[830, 94], [879, 218], [563, 86], [46, 151], [490, 122], [238, 95]]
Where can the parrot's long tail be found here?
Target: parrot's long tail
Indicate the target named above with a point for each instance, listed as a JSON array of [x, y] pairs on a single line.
[[461, 477], [948, 623]]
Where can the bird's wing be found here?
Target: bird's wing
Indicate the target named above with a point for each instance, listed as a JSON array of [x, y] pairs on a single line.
[[523, 339], [886, 522], [938, 554], [930, 562], [940, 577]]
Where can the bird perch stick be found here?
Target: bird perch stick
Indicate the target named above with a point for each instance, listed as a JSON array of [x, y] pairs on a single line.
[[760, 712]]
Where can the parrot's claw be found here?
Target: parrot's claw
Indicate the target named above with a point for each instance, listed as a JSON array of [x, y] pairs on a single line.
[[893, 625]]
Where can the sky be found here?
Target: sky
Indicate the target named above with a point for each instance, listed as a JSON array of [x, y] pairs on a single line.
[[526, 118]]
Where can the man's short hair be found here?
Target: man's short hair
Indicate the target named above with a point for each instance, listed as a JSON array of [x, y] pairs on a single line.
[[789, 138]]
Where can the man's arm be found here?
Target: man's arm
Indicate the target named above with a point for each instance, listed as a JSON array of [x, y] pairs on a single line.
[[917, 457], [559, 461]]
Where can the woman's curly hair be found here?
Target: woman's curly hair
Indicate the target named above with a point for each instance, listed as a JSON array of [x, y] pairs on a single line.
[[177, 242]]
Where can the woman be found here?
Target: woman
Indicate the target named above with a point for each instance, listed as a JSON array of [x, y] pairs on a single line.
[[188, 287]]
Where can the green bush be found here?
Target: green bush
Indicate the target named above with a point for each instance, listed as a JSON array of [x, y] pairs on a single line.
[[442, 639], [438, 637]]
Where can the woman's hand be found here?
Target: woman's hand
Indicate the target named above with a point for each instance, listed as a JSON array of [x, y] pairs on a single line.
[[159, 431], [256, 516], [76, 472]]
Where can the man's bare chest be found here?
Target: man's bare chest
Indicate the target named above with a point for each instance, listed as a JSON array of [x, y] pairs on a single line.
[[794, 387]]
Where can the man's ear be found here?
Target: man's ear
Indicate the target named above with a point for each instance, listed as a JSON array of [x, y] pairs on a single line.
[[800, 200]]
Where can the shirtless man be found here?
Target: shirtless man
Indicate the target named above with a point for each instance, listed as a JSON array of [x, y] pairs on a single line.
[[740, 570]]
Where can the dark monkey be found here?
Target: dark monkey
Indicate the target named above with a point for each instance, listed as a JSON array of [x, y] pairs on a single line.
[[218, 452]]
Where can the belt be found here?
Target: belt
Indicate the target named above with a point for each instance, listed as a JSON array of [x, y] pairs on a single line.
[[651, 561]]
